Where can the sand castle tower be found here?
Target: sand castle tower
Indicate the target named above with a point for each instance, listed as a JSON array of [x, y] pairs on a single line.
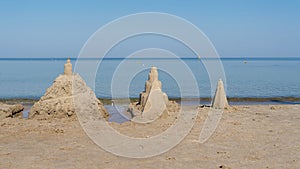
[[153, 101], [220, 99], [58, 101], [68, 68]]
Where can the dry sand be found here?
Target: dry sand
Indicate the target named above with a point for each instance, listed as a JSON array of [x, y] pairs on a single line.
[[256, 136]]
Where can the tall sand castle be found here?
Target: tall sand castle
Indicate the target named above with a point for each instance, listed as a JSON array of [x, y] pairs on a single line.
[[152, 101]]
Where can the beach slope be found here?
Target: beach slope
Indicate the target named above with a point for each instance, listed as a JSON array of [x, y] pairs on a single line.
[[255, 136]]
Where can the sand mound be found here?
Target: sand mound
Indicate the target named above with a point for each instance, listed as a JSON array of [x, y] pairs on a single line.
[[58, 101]]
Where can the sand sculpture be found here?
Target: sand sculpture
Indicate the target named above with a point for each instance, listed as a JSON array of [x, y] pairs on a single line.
[[152, 84], [220, 99], [153, 101], [58, 101]]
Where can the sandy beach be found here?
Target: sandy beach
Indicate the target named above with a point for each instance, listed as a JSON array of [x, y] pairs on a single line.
[[149, 85], [252, 136]]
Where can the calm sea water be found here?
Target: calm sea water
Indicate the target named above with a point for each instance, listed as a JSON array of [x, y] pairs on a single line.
[[27, 78]]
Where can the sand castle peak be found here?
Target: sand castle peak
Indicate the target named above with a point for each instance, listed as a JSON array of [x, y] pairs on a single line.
[[153, 74], [220, 99], [68, 68]]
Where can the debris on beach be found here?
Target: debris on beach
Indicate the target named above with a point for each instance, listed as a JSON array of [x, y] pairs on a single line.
[[7, 110], [220, 99], [58, 101], [224, 167], [153, 102]]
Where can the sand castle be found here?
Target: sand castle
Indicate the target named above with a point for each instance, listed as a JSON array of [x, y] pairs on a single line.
[[220, 99], [58, 101], [152, 84], [153, 101]]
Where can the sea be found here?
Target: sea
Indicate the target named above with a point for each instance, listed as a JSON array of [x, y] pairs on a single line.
[[28, 78]]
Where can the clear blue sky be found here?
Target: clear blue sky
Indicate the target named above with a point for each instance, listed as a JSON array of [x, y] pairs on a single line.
[[59, 28]]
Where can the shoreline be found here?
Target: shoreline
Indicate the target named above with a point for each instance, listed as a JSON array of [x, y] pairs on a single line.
[[234, 100]]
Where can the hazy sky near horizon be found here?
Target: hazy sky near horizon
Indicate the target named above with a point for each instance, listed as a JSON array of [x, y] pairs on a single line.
[[237, 28]]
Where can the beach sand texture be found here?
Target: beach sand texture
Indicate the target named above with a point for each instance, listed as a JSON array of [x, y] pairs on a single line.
[[256, 136]]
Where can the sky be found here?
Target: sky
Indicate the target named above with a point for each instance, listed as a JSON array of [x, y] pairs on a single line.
[[237, 28]]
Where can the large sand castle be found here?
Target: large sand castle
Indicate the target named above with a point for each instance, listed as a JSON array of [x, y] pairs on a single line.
[[58, 101]]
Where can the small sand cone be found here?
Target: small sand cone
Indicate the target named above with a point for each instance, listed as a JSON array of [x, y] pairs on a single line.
[[220, 99]]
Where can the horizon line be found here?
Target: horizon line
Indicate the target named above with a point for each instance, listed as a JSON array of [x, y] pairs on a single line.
[[149, 58]]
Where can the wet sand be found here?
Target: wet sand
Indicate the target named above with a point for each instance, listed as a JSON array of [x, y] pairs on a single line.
[[251, 136]]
